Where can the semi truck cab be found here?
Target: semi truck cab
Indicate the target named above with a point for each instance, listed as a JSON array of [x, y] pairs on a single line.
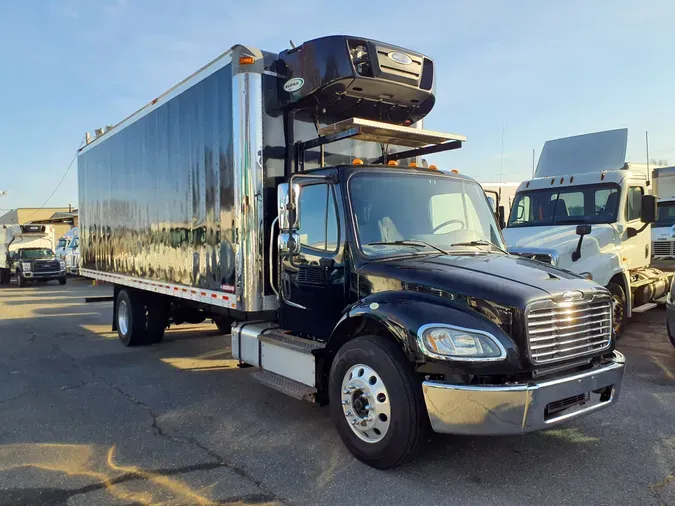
[[589, 212], [351, 275]]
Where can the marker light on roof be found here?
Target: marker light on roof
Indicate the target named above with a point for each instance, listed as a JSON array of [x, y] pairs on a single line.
[[357, 161], [393, 163]]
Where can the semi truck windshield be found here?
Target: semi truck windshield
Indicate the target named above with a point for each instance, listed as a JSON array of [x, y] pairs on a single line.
[[398, 213], [572, 205]]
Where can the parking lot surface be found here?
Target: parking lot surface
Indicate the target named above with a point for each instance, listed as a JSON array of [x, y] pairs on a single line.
[[85, 421]]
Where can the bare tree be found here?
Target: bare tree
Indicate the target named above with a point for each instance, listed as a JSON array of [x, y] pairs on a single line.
[[658, 161]]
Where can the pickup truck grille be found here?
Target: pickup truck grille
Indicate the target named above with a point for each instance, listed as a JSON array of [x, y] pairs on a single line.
[[663, 248], [560, 331], [45, 265]]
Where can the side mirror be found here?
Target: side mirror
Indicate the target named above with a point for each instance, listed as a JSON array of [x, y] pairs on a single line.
[[493, 204], [648, 212], [289, 244], [288, 208], [583, 229], [501, 216]]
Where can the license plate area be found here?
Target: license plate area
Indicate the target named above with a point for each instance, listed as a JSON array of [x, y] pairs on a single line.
[[569, 405]]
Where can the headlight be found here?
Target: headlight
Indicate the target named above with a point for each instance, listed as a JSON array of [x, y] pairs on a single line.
[[25, 266], [448, 342], [63, 264]]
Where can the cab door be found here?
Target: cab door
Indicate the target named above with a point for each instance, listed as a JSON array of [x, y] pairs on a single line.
[[636, 248], [312, 283]]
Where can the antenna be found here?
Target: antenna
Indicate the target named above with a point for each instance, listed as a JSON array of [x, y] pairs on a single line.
[[532, 163], [501, 157], [292, 45], [3, 193], [647, 147]]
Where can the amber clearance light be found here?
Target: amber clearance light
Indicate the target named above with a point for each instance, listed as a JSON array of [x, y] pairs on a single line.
[[246, 60]]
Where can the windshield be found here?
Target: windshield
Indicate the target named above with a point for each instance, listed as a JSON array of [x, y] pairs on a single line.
[[430, 212], [61, 243], [665, 216], [74, 243], [35, 253], [572, 205]]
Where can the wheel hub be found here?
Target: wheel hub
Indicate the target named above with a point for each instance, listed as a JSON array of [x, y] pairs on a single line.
[[365, 403], [123, 317]]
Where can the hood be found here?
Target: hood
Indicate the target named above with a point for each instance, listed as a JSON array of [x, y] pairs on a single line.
[[560, 239], [505, 279]]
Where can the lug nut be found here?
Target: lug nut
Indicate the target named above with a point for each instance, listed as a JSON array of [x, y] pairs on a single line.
[[345, 402], [349, 413]]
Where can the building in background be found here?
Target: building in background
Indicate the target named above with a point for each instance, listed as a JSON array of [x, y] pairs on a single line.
[[62, 218]]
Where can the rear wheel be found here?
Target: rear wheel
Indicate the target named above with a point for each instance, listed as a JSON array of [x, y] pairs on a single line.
[[224, 324], [620, 308], [130, 314], [376, 402], [157, 318], [671, 336]]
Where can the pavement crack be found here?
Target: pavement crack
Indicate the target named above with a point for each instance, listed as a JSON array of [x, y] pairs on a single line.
[[47, 392], [188, 440], [655, 488]]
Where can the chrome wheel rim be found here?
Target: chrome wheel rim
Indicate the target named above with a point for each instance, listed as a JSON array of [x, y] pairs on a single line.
[[123, 317], [365, 403]]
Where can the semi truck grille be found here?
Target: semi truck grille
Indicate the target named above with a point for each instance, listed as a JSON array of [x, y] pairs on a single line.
[[559, 331], [663, 248]]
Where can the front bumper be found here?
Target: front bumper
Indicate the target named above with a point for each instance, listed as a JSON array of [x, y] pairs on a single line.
[[44, 275], [517, 409]]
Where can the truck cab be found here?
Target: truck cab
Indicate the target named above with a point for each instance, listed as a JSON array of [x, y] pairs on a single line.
[[37, 264], [591, 217], [663, 230]]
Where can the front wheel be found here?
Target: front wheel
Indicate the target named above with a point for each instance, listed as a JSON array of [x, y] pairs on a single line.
[[376, 402], [62, 281], [671, 336], [20, 280], [620, 308]]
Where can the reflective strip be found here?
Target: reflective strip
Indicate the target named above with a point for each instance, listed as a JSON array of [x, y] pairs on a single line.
[[207, 297]]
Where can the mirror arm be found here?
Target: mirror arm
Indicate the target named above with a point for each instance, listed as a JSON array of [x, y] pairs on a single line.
[[577, 253]]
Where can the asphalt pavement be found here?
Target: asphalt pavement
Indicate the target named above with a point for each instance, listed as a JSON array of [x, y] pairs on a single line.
[[86, 421]]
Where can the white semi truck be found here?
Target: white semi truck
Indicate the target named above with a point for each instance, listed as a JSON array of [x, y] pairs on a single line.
[[590, 212], [663, 230]]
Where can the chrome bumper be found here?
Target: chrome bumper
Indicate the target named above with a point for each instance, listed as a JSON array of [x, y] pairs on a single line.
[[517, 409], [43, 274]]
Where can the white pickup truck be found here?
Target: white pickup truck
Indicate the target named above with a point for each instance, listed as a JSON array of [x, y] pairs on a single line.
[[589, 212]]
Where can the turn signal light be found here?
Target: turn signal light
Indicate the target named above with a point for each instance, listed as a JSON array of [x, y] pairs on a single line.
[[357, 161], [393, 163], [246, 60]]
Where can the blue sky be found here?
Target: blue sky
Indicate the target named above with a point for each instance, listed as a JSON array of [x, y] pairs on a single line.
[[538, 70]]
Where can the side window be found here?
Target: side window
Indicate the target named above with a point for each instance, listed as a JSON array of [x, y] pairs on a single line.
[[318, 221], [634, 203]]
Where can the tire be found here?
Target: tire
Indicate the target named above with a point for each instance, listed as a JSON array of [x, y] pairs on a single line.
[[20, 280], [670, 333], [157, 318], [620, 308], [62, 281], [224, 324], [407, 423], [131, 318]]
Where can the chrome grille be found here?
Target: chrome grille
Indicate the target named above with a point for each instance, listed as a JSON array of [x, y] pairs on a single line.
[[663, 248], [559, 331]]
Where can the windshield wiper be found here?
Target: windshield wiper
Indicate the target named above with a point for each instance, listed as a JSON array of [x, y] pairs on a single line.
[[407, 243], [480, 242]]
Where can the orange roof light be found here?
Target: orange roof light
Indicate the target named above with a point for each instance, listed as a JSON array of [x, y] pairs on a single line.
[[357, 161], [432, 167], [246, 60], [412, 164], [393, 163], [454, 171]]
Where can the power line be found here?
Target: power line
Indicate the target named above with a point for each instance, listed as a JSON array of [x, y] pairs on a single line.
[[61, 181]]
